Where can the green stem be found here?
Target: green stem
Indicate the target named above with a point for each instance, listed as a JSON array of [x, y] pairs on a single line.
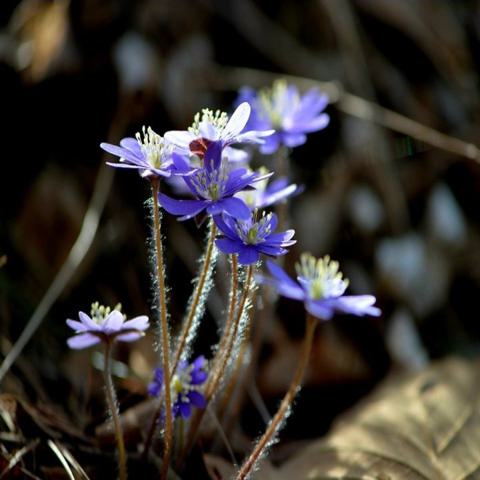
[[273, 427], [113, 407], [164, 339]]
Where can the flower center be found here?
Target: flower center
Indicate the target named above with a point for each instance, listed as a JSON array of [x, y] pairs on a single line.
[[274, 102], [153, 147], [254, 233], [99, 313], [217, 119], [322, 276], [210, 184]]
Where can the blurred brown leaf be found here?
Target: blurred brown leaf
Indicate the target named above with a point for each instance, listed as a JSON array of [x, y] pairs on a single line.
[[425, 426]]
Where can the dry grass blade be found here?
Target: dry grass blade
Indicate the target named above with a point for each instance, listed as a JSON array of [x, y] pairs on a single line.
[[58, 452], [420, 427], [81, 474], [17, 457]]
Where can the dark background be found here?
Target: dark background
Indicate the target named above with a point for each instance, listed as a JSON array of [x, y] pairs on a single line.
[[401, 215]]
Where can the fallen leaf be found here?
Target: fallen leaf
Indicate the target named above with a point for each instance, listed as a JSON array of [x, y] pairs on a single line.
[[418, 427]]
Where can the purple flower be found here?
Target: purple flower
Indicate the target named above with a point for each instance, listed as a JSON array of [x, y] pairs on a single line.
[[151, 155], [105, 325], [185, 386], [209, 126], [213, 186], [283, 109], [250, 238], [321, 287], [268, 193]]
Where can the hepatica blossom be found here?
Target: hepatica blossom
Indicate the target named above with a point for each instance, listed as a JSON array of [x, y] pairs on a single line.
[[213, 186], [249, 238], [321, 286], [283, 109], [185, 386], [268, 193], [148, 153], [105, 325], [209, 126]]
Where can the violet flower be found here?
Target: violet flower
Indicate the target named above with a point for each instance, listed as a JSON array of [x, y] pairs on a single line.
[[186, 384], [283, 109], [213, 187], [250, 238], [209, 126], [105, 325], [268, 193], [321, 287], [150, 154]]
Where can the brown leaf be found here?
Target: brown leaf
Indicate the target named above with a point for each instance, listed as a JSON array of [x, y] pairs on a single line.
[[425, 426]]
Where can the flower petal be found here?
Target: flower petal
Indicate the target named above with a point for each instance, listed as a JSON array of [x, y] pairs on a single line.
[[180, 138], [88, 322], [188, 208], [237, 122], [197, 399], [113, 322], [77, 326], [248, 255], [228, 246], [235, 207], [320, 309], [285, 284], [137, 323], [83, 340]]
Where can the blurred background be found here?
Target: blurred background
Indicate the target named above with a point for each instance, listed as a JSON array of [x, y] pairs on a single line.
[[394, 202]]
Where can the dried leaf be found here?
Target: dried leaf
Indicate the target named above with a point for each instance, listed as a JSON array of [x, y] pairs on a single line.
[[425, 426]]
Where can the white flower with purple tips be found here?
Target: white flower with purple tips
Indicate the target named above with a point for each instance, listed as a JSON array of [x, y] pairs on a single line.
[[249, 238], [149, 153], [283, 109], [105, 325], [209, 126], [321, 286]]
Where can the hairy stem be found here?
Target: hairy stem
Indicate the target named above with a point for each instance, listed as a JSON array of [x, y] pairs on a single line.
[[283, 410], [196, 296], [185, 330], [164, 339], [223, 355], [113, 407]]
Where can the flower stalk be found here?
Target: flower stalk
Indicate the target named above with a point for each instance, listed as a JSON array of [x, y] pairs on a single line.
[[282, 412], [197, 296], [113, 407], [164, 338], [221, 359]]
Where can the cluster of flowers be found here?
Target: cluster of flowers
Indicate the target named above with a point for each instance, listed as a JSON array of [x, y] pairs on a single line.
[[206, 165]]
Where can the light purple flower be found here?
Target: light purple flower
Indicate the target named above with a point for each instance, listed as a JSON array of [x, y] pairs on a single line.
[[283, 109], [321, 287], [151, 155], [213, 187], [105, 325], [250, 238], [209, 126], [268, 193], [185, 386]]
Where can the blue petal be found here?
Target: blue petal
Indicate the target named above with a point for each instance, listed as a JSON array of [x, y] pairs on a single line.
[[320, 309], [285, 284], [248, 255], [83, 340], [197, 399], [188, 208], [235, 207], [224, 227], [213, 156], [228, 246]]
